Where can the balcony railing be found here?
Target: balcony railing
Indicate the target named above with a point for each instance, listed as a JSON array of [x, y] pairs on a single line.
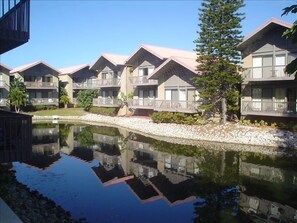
[[14, 24], [266, 73], [164, 105], [142, 80], [269, 108], [85, 85], [43, 101], [3, 102], [106, 102], [45, 85], [112, 82]]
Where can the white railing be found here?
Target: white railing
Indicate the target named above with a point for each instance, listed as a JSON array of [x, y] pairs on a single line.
[[268, 107], [41, 84], [2, 83], [164, 105], [266, 73], [112, 82], [108, 102], [142, 80], [85, 85], [44, 101]]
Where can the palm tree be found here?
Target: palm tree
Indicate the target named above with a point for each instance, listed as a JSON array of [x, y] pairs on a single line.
[[17, 94]]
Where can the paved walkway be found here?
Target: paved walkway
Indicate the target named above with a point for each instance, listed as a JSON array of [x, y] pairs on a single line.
[[7, 215]]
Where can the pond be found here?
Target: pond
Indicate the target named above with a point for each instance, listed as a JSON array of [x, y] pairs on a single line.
[[105, 174]]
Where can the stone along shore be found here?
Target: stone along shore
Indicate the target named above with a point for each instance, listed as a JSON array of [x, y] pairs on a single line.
[[230, 136]]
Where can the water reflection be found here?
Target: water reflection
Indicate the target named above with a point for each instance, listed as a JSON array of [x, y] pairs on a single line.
[[103, 170]]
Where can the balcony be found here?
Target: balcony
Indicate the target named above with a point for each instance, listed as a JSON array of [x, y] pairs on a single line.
[[41, 85], [142, 81], [106, 102], [269, 108], [266, 73], [44, 101], [14, 24], [3, 102], [113, 82], [85, 85], [164, 105]]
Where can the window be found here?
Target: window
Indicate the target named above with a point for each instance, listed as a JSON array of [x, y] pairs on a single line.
[[104, 75], [145, 71]]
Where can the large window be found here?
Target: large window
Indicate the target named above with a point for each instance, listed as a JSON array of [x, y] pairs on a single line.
[[145, 71]]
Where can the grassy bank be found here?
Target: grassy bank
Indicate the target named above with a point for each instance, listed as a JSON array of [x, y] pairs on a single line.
[[60, 112]]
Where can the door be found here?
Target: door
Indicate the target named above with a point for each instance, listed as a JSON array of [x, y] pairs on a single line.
[[140, 97], [183, 98], [256, 99], [257, 67], [292, 102], [280, 94]]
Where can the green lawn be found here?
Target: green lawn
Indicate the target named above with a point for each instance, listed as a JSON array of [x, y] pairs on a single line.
[[60, 112]]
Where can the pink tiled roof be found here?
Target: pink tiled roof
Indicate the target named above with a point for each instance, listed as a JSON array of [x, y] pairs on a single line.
[[73, 69], [4, 66], [115, 59], [164, 53], [265, 25], [30, 65], [188, 63]]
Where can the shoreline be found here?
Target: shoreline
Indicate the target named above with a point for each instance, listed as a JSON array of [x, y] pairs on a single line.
[[235, 137]]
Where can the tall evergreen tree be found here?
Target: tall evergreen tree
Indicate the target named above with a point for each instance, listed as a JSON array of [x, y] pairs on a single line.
[[218, 57]]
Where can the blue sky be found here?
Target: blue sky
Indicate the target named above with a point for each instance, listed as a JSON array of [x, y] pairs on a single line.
[[68, 33]]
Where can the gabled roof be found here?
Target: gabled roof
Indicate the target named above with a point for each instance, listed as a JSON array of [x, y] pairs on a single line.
[[188, 63], [30, 65], [73, 69], [115, 59], [2, 66], [162, 52], [268, 25]]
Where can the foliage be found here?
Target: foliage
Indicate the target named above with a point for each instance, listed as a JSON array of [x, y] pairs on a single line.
[[104, 111], [64, 99], [123, 98], [85, 99], [60, 112], [64, 130], [104, 130], [218, 56], [17, 94], [85, 137], [175, 117], [291, 33], [32, 108], [291, 126]]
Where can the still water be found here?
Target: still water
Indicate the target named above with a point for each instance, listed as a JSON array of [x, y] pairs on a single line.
[[104, 174]]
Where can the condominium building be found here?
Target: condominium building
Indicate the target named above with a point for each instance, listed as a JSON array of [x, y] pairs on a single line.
[[41, 81], [161, 79], [268, 91], [4, 86], [112, 74], [77, 78]]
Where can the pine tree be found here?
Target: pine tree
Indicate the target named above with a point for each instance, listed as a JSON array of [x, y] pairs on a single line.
[[218, 57]]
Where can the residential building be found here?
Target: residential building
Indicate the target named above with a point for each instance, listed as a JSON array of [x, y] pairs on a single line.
[[77, 78], [112, 74], [41, 81], [4, 87], [157, 75], [267, 90], [14, 24]]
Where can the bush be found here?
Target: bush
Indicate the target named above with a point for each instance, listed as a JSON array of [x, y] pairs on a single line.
[[104, 111], [174, 117], [32, 108], [85, 98]]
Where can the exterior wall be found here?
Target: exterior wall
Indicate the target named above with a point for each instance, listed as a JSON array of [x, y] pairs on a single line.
[[83, 75], [4, 88], [270, 78]]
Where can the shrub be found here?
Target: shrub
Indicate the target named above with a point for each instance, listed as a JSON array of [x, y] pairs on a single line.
[[174, 117], [85, 98], [104, 111]]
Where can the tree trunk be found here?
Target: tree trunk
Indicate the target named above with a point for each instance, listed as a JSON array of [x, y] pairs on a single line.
[[65, 105], [224, 111]]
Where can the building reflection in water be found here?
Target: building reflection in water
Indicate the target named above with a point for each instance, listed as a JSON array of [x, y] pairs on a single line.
[[244, 184]]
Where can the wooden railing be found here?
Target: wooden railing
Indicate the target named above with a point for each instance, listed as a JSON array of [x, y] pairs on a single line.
[[2, 84], [112, 82], [268, 107], [266, 73], [14, 24], [41, 84], [164, 105], [106, 102], [44, 101], [142, 80], [85, 85]]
